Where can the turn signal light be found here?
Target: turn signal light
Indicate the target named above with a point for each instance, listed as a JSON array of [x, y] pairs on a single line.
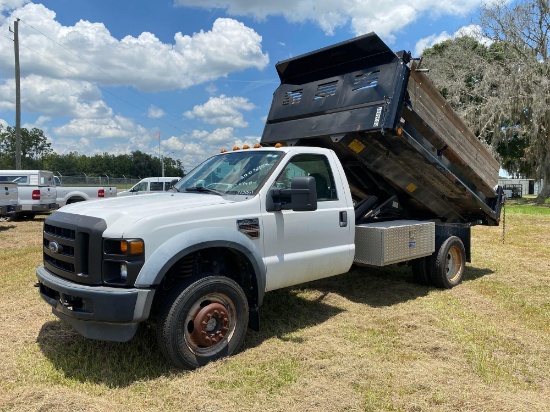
[[132, 247]]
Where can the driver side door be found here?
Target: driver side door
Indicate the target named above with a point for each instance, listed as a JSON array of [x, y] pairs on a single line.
[[304, 246]]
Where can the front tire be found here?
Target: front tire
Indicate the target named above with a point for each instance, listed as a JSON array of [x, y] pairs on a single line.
[[202, 322], [449, 264]]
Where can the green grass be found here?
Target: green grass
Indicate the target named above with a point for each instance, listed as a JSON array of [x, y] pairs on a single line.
[[528, 209], [368, 340]]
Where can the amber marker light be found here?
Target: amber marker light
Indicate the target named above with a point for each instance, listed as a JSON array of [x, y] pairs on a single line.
[[279, 145], [257, 146], [132, 247], [246, 147], [399, 131], [223, 151], [236, 148]]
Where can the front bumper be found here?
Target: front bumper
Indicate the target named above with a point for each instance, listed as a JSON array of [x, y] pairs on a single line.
[[96, 312]]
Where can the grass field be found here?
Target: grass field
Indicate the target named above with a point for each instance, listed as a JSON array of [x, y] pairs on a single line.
[[368, 340]]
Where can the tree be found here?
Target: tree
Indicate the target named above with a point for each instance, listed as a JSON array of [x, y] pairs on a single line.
[[502, 90], [34, 147]]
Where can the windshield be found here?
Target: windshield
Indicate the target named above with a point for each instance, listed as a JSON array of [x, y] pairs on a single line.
[[236, 173]]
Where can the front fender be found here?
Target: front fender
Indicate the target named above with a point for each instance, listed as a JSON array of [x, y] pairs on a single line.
[[174, 249]]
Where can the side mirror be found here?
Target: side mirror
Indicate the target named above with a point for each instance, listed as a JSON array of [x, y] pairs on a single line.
[[302, 194]]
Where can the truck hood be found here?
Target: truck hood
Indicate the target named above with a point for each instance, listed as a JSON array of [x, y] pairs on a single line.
[[126, 211]]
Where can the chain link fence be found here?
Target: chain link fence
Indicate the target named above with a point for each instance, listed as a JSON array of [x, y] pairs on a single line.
[[119, 182]]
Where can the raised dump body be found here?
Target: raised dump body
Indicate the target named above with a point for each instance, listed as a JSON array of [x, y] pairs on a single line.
[[406, 153]]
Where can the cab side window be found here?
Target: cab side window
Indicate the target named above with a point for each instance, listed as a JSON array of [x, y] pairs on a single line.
[[140, 187], [316, 166], [156, 186]]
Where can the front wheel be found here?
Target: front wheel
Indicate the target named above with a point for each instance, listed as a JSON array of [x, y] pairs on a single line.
[[202, 322], [448, 266]]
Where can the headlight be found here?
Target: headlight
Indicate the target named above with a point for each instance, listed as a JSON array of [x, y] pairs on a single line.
[[122, 261]]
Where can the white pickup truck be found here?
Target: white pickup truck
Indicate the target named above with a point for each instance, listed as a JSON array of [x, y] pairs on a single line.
[[9, 204], [35, 188], [348, 184], [150, 185], [73, 194]]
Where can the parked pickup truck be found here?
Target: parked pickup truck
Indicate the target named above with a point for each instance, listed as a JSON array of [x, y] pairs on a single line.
[[73, 194], [35, 188], [150, 185], [9, 204], [351, 172]]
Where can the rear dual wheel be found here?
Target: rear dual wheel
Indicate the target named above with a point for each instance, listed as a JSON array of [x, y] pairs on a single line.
[[202, 322], [445, 269]]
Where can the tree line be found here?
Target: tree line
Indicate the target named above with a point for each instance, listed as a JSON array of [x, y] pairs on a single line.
[[36, 153]]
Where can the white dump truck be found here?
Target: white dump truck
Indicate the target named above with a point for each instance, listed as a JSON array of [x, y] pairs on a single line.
[[352, 169]]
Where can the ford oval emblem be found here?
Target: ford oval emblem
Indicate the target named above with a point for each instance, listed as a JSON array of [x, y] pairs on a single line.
[[54, 247]]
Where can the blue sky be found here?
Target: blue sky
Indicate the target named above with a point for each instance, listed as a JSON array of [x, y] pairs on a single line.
[[108, 76]]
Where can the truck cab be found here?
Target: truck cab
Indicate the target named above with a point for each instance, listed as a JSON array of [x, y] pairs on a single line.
[[150, 185]]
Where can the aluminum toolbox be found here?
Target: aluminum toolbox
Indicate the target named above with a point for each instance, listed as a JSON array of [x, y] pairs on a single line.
[[384, 243]]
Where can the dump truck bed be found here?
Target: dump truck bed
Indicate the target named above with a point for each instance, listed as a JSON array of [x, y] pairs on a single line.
[[398, 139]]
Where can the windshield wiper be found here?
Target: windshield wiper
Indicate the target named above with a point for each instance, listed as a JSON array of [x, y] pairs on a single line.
[[203, 189]]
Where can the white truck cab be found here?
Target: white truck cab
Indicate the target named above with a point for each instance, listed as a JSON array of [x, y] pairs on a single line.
[[150, 185]]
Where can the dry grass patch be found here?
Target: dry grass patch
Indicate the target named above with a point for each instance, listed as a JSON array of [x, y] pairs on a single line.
[[369, 340]]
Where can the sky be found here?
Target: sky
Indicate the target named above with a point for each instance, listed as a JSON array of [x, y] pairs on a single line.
[[109, 76]]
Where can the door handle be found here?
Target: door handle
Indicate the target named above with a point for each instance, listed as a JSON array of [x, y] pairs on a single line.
[[343, 218]]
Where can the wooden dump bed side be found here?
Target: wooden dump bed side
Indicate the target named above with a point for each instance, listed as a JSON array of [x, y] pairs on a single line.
[[449, 132]]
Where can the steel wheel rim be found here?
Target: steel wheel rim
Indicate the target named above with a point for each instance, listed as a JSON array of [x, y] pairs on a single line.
[[198, 346], [453, 264]]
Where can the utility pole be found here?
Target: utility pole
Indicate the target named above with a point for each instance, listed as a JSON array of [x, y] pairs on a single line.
[[17, 96]]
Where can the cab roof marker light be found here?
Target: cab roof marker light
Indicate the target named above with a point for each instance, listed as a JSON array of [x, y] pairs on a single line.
[[236, 148], [257, 146], [246, 147], [279, 145], [223, 151]]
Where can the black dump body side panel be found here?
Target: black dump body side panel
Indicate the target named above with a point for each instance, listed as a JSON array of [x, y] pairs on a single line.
[[351, 98]]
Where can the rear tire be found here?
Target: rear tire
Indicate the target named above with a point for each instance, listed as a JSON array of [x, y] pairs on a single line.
[[202, 322], [421, 270], [448, 266]]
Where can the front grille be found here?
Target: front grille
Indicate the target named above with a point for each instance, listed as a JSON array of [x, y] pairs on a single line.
[[72, 247], [59, 231]]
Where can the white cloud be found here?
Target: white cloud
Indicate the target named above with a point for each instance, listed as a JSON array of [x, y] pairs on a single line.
[[198, 145], [114, 127], [471, 30], [362, 16], [143, 61], [55, 97], [155, 112], [222, 111]]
